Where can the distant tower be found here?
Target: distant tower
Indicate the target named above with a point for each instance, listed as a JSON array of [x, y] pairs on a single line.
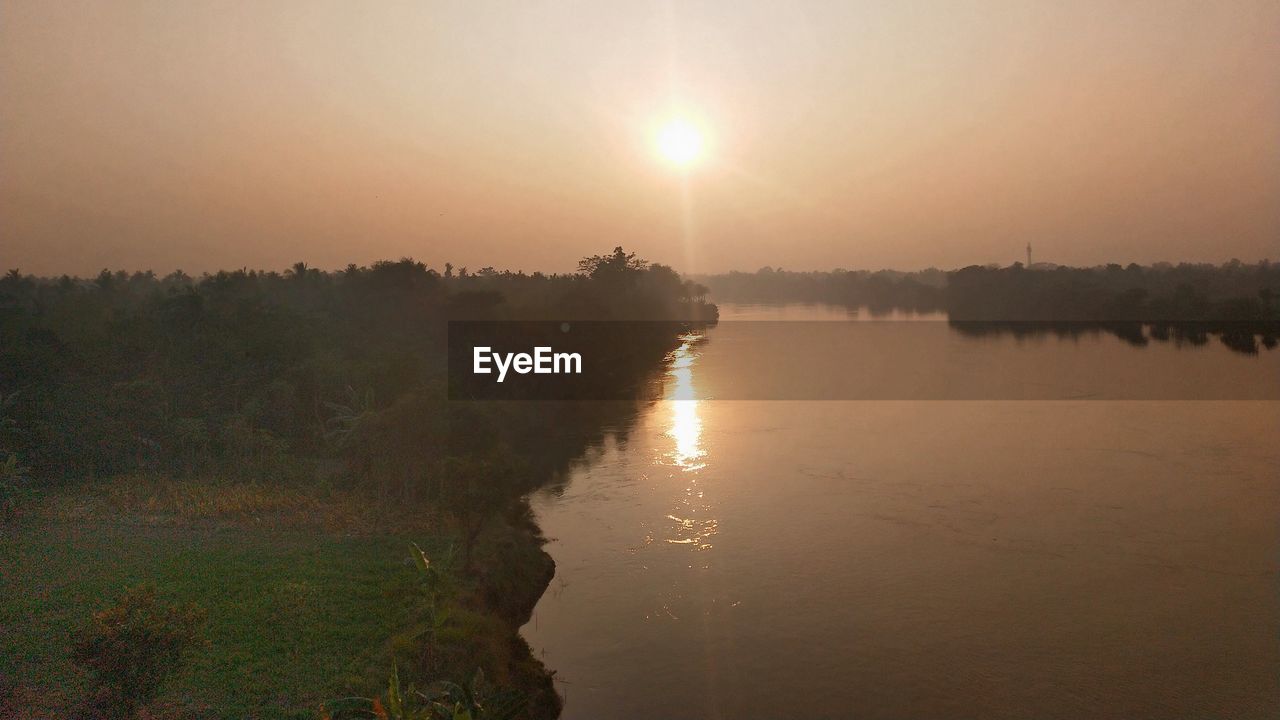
[[1028, 254]]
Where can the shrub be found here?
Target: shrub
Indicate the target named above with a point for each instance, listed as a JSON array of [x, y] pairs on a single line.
[[132, 647], [13, 487]]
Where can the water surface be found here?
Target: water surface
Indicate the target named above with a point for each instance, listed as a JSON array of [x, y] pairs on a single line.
[[917, 558]]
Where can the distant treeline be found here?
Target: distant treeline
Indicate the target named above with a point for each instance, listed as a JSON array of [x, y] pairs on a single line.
[[1233, 292], [882, 290], [299, 374]]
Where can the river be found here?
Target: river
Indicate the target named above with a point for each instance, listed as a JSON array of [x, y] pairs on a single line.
[[922, 557]]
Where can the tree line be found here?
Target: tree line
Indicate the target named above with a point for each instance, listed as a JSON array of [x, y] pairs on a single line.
[[300, 374], [1232, 292]]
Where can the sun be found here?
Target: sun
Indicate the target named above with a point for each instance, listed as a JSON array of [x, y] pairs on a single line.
[[680, 142]]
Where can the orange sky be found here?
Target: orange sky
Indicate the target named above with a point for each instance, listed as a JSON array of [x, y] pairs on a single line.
[[204, 135]]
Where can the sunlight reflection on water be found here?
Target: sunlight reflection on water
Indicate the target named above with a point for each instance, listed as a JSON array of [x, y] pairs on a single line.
[[691, 524], [686, 424]]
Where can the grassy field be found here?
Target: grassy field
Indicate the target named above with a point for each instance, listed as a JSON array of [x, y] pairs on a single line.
[[296, 614]]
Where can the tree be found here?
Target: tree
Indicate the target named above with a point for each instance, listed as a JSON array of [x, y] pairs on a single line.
[[617, 264]]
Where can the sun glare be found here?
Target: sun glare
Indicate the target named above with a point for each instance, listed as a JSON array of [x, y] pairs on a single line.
[[680, 142]]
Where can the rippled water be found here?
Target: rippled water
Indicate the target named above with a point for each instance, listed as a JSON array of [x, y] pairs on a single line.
[[1015, 559]]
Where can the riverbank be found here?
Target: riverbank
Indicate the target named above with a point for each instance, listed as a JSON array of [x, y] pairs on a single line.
[[299, 422], [330, 576]]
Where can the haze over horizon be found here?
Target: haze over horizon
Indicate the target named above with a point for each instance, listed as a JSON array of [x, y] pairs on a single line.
[[200, 136]]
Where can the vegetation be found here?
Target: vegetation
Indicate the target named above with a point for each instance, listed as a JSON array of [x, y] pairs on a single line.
[[1239, 303], [300, 607], [880, 291], [443, 699], [264, 443], [1233, 292], [13, 487], [132, 647], [261, 374]]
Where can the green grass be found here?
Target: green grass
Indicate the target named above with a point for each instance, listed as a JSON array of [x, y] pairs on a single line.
[[295, 617]]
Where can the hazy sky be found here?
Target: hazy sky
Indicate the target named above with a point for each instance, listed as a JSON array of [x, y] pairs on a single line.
[[204, 135]]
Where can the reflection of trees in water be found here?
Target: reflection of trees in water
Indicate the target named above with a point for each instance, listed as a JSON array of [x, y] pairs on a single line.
[[612, 420], [1239, 337]]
